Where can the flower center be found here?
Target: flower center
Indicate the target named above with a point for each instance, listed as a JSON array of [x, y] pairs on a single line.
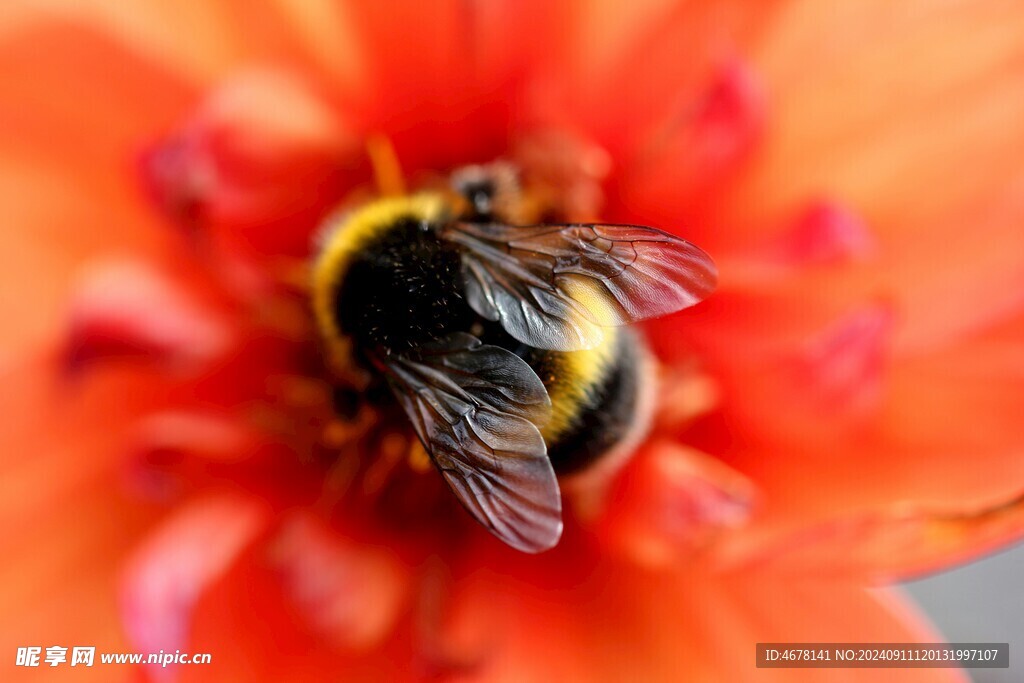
[[259, 400]]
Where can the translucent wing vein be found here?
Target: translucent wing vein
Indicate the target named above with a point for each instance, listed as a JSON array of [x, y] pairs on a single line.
[[476, 409], [556, 286]]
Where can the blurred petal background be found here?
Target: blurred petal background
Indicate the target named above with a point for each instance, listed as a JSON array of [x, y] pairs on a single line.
[[845, 413]]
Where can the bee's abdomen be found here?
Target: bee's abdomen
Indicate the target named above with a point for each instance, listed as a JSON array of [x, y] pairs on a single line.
[[402, 290], [595, 397]]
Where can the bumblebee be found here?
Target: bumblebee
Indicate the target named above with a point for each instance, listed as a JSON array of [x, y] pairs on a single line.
[[502, 343]]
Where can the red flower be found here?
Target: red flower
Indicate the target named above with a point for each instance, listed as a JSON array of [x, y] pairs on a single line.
[[843, 412]]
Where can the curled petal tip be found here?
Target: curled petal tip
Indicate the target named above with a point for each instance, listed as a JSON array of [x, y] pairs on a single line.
[[894, 543], [671, 500], [130, 309], [842, 369], [215, 437], [731, 115], [350, 593], [166, 576], [165, 445], [707, 137], [263, 157], [826, 233], [176, 175]]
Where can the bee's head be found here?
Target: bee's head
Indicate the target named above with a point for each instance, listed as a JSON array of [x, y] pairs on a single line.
[[490, 191]]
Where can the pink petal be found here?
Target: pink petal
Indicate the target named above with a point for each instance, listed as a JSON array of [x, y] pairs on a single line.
[[166, 576], [262, 159], [825, 233], [167, 446], [670, 499], [349, 592], [730, 117], [841, 370], [676, 169], [215, 437], [131, 309]]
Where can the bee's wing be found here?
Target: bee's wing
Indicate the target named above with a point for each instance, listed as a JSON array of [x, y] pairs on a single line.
[[555, 286], [476, 409]]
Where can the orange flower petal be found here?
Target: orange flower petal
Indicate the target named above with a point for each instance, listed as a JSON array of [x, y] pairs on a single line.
[[222, 34], [694, 150], [892, 544], [908, 109], [669, 501], [429, 88], [151, 29], [325, 33], [93, 416], [262, 159], [626, 72], [824, 233], [274, 618], [623, 623], [907, 113], [906, 453], [350, 593], [216, 438], [64, 173], [58, 456], [170, 450], [841, 370]]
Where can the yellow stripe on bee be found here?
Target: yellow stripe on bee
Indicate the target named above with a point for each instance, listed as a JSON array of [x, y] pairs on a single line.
[[594, 300], [345, 238], [573, 376], [573, 380]]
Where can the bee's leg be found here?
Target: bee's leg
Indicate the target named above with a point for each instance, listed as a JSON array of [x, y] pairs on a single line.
[[387, 171]]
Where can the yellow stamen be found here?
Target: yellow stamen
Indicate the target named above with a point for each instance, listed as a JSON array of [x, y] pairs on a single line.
[[293, 273], [338, 433], [300, 391], [419, 461], [686, 395], [393, 447], [387, 171]]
